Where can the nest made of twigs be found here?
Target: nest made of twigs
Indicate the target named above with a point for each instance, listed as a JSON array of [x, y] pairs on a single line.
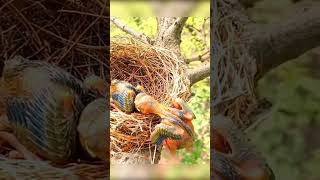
[[72, 34], [25, 169], [160, 72], [234, 70]]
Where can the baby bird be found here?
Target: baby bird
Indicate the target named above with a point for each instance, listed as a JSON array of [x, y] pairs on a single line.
[[123, 95], [185, 112], [175, 130], [92, 128], [242, 161], [169, 129], [165, 130], [187, 140], [43, 108], [96, 84], [146, 104]]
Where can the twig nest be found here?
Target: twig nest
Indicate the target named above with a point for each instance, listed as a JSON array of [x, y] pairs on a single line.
[[161, 73]]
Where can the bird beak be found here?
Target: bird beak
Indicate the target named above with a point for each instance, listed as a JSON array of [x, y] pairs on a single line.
[[189, 116]]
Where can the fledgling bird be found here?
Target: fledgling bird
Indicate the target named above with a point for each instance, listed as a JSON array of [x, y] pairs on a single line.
[[92, 128], [43, 108], [123, 95], [169, 129], [186, 142], [185, 112], [146, 104], [243, 161], [188, 116], [164, 131], [96, 84]]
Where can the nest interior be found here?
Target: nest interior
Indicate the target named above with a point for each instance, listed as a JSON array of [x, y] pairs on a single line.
[[72, 34], [162, 75]]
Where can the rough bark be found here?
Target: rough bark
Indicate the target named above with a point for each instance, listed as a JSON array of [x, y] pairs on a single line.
[[278, 43], [274, 44], [199, 74], [203, 57], [169, 33]]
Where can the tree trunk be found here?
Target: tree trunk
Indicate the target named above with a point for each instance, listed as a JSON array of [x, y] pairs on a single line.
[[169, 33]]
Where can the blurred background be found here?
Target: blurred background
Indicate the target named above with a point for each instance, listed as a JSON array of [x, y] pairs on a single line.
[[141, 17], [149, 8], [289, 138]]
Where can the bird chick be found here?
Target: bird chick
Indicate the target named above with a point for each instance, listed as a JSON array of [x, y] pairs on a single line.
[[146, 104], [92, 128], [96, 84], [123, 95], [242, 161], [186, 113], [186, 142], [164, 131], [43, 107]]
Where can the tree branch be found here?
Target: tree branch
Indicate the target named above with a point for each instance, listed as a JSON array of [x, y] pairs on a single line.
[[178, 24], [169, 33], [285, 41], [199, 74], [140, 36], [201, 57]]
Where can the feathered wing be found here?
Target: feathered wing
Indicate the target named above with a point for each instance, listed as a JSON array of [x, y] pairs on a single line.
[[124, 100], [43, 107], [60, 76], [162, 132], [181, 124], [42, 127]]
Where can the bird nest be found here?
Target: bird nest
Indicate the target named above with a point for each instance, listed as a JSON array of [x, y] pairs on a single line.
[[234, 70], [72, 34], [160, 72]]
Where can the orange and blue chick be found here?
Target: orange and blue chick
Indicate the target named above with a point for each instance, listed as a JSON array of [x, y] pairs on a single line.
[[123, 95], [187, 140], [172, 124], [43, 108]]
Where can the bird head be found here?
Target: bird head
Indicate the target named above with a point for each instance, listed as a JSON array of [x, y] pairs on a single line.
[[114, 82], [13, 64], [140, 88], [96, 84], [187, 113]]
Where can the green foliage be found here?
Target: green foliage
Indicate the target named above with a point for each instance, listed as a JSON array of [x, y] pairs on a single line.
[[192, 37], [284, 136], [146, 25], [289, 138]]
